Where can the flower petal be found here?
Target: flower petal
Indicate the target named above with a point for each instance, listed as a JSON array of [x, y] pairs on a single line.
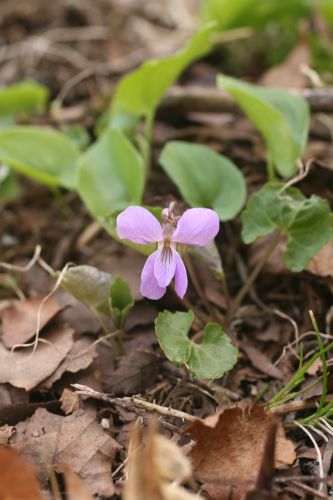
[[137, 224], [197, 226], [149, 286], [165, 266], [180, 277]]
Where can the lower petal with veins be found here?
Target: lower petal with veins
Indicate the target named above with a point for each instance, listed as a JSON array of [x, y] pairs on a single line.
[[165, 266], [149, 286], [181, 281]]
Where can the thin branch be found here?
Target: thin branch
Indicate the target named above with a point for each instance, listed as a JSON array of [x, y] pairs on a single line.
[[130, 402], [181, 100]]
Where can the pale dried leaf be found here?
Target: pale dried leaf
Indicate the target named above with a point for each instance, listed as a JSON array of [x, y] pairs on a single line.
[[322, 262], [6, 432], [22, 369], [156, 467], [18, 479], [260, 361], [289, 73], [76, 440], [229, 448], [69, 401], [19, 320]]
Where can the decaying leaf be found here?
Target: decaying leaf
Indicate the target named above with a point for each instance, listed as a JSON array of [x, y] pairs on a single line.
[[79, 357], [75, 487], [289, 73], [138, 368], [136, 372], [18, 479], [69, 401], [19, 320], [229, 449], [6, 432], [76, 440], [156, 467], [322, 263], [22, 369]]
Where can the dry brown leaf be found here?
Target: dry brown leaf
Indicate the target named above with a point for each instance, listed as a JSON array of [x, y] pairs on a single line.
[[76, 440], [18, 479], [136, 372], [288, 74], [6, 432], [19, 320], [156, 467], [79, 357], [75, 487], [260, 361], [22, 369], [322, 263], [69, 401], [229, 449]]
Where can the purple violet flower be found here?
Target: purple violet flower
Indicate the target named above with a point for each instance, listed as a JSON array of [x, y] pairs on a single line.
[[197, 226]]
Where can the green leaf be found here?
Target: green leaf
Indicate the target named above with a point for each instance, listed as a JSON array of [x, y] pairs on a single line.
[[208, 360], [282, 119], [78, 134], [139, 92], [110, 224], [120, 300], [89, 285], [24, 98], [110, 174], [9, 187], [43, 154], [307, 222], [255, 13], [204, 178]]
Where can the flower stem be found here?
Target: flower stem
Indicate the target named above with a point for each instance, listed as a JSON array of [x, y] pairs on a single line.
[[198, 287], [222, 278], [115, 341], [247, 285], [148, 134]]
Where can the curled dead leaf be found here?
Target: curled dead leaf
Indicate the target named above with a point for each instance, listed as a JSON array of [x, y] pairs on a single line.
[[19, 320], [27, 370], [229, 449], [156, 468]]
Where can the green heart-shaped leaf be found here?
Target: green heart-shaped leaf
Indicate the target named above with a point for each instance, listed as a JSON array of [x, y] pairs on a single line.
[[208, 360], [307, 222]]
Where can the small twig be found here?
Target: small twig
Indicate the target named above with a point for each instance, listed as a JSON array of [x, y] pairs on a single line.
[[182, 100], [308, 489], [126, 402]]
